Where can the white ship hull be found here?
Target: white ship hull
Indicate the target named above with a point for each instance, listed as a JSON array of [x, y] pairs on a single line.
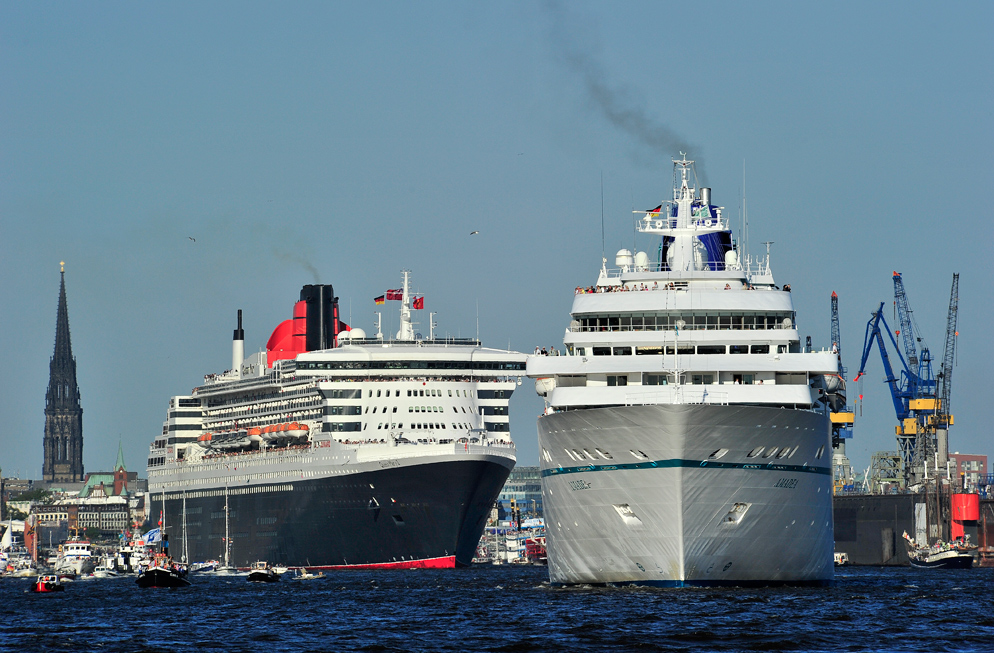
[[639, 501]]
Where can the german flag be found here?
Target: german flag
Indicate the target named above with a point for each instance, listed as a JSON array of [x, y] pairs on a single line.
[[379, 300]]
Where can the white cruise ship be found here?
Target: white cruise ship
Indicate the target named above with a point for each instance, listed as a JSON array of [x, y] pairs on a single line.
[[333, 450], [686, 438]]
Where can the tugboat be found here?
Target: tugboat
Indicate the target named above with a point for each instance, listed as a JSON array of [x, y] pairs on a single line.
[[262, 573], [163, 572], [48, 584]]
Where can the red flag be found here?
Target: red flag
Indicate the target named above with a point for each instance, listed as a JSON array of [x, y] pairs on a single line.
[[397, 295], [419, 303]]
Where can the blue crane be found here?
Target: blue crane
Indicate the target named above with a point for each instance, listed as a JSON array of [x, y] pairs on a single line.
[[913, 393]]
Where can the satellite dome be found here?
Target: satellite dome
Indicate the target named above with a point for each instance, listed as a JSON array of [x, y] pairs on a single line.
[[357, 333]]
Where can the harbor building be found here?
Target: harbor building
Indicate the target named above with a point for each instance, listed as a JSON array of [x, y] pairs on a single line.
[[524, 487], [968, 471], [63, 443]]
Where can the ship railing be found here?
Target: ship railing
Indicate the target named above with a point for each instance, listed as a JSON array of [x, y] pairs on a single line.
[[749, 269], [679, 394]]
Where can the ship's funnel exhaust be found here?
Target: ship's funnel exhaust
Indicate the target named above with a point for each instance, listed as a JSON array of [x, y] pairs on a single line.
[[238, 347], [706, 196], [322, 316]]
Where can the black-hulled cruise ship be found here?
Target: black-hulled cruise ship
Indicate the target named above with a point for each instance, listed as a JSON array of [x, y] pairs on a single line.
[[333, 450]]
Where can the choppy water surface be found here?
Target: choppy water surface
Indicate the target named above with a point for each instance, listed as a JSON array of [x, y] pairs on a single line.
[[504, 609]]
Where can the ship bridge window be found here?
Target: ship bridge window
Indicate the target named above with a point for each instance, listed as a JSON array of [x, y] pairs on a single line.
[[602, 351], [619, 380], [710, 349], [738, 349], [759, 349], [681, 350], [654, 379], [648, 351], [622, 351], [702, 379]]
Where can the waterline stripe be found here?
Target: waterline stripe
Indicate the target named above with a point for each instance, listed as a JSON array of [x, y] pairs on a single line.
[[678, 462]]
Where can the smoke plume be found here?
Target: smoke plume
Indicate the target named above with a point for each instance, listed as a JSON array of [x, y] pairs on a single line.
[[615, 102]]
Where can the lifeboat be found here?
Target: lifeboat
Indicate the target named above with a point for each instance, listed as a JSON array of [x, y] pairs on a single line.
[[297, 431], [255, 435]]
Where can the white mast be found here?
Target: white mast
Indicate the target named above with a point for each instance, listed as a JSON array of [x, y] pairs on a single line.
[[185, 549], [227, 540], [406, 331]]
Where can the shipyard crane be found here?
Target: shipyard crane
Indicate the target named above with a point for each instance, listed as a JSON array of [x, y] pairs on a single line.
[[921, 384], [841, 415], [913, 393], [943, 416]]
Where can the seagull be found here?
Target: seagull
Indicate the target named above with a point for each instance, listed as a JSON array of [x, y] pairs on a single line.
[[473, 233], [192, 238]]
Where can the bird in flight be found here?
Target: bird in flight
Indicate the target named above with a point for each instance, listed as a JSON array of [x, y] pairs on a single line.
[[473, 233], [192, 238]]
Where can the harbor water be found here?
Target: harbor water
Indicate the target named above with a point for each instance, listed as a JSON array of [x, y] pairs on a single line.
[[511, 608]]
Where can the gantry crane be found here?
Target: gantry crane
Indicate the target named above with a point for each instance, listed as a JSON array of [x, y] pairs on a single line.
[[841, 415], [943, 416], [913, 393]]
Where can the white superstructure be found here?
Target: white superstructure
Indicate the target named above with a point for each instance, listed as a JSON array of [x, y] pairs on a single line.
[[685, 438]]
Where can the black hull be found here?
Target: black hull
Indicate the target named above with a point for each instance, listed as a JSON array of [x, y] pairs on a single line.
[[398, 516], [959, 562], [161, 578]]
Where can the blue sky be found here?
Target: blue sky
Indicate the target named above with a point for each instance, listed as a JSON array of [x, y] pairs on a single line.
[[343, 142]]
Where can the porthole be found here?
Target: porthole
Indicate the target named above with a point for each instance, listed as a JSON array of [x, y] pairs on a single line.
[[792, 452], [770, 452], [755, 452], [821, 450], [718, 453], [604, 454], [783, 452]]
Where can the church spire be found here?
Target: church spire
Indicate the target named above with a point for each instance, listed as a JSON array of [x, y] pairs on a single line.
[[63, 414]]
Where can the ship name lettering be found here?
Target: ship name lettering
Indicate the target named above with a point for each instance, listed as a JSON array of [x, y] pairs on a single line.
[[787, 483], [579, 485]]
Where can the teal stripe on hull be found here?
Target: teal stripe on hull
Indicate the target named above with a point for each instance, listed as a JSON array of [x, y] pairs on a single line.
[[679, 462]]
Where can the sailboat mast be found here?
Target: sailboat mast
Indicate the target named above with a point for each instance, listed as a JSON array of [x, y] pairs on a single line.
[[185, 550], [227, 541]]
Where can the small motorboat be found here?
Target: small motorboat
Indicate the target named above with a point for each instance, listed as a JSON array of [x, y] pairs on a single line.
[[303, 574], [261, 572], [106, 569], [162, 573], [209, 566], [48, 584]]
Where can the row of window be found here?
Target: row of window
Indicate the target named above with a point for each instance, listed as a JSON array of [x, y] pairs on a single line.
[[684, 349], [411, 365], [771, 452], [781, 378], [697, 320]]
